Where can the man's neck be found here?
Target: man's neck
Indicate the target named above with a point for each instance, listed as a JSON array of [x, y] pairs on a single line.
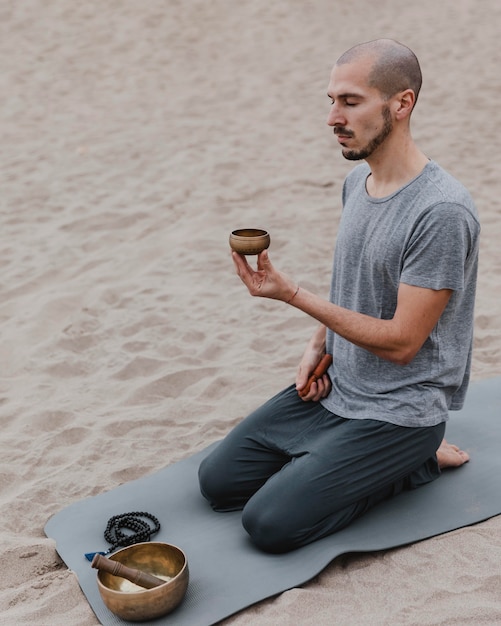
[[392, 168]]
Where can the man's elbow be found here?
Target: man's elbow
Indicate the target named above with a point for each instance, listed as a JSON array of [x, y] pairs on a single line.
[[402, 361], [404, 355]]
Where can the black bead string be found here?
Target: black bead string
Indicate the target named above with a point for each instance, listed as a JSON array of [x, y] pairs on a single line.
[[134, 522]]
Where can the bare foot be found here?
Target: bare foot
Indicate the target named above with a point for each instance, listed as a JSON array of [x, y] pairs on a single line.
[[449, 455]]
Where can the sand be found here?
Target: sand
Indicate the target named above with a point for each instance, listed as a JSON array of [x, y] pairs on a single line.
[[135, 136]]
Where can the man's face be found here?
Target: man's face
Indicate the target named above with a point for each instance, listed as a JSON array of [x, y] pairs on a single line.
[[359, 115]]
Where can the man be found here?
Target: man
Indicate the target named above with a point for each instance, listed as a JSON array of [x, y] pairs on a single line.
[[399, 324]]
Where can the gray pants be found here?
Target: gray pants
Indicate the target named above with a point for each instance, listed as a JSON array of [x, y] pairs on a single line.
[[300, 472]]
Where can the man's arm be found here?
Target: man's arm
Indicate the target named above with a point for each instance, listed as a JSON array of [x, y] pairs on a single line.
[[398, 340]]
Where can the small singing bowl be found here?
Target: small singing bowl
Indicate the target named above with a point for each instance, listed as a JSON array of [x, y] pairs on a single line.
[[249, 240], [137, 604]]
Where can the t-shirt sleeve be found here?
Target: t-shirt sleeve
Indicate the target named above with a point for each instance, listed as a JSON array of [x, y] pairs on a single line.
[[438, 247]]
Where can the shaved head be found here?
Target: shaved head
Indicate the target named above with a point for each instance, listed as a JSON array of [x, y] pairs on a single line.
[[395, 67]]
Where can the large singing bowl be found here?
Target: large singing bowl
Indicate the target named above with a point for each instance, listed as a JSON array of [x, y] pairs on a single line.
[[134, 603]]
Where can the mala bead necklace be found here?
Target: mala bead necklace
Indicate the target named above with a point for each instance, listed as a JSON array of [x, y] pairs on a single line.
[[141, 529], [137, 529]]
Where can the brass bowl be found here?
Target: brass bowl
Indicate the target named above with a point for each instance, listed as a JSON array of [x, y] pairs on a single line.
[[137, 604], [249, 240]]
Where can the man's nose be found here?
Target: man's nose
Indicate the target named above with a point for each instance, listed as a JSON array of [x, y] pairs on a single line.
[[335, 118]]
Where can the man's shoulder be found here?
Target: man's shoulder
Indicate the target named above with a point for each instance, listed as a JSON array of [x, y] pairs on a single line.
[[445, 187]]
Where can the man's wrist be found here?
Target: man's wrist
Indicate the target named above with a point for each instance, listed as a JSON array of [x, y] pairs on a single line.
[[294, 294]]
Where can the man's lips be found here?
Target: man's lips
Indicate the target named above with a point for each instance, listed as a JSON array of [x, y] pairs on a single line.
[[342, 134], [342, 138]]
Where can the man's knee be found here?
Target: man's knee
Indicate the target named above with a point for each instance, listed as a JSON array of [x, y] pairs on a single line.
[[217, 487], [268, 530], [210, 482], [277, 528]]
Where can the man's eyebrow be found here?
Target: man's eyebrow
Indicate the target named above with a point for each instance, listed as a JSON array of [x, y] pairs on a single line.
[[345, 96]]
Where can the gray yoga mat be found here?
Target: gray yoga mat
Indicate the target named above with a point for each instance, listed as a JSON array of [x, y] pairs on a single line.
[[228, 574]]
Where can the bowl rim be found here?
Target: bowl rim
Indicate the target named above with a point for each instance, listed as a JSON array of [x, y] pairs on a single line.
[[141, 591], [247, 233]]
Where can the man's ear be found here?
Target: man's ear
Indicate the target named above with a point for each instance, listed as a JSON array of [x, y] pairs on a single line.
[[404, 103]]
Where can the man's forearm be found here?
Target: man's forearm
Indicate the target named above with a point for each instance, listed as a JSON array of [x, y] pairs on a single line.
[[381, 337], [317, 341]]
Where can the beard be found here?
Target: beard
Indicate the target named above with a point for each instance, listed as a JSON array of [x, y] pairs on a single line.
[[363, 153]]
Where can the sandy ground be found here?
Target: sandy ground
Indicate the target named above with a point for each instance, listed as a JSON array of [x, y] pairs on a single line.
[[135, 136]]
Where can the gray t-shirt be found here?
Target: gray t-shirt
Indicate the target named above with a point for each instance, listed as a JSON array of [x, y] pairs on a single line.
[[425, 234]]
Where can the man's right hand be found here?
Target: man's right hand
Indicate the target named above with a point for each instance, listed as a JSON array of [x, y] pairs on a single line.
[[321, 387]]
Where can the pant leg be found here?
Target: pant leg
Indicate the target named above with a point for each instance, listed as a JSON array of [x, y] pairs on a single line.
[[257, 448], [302, 473], [350, 466]]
